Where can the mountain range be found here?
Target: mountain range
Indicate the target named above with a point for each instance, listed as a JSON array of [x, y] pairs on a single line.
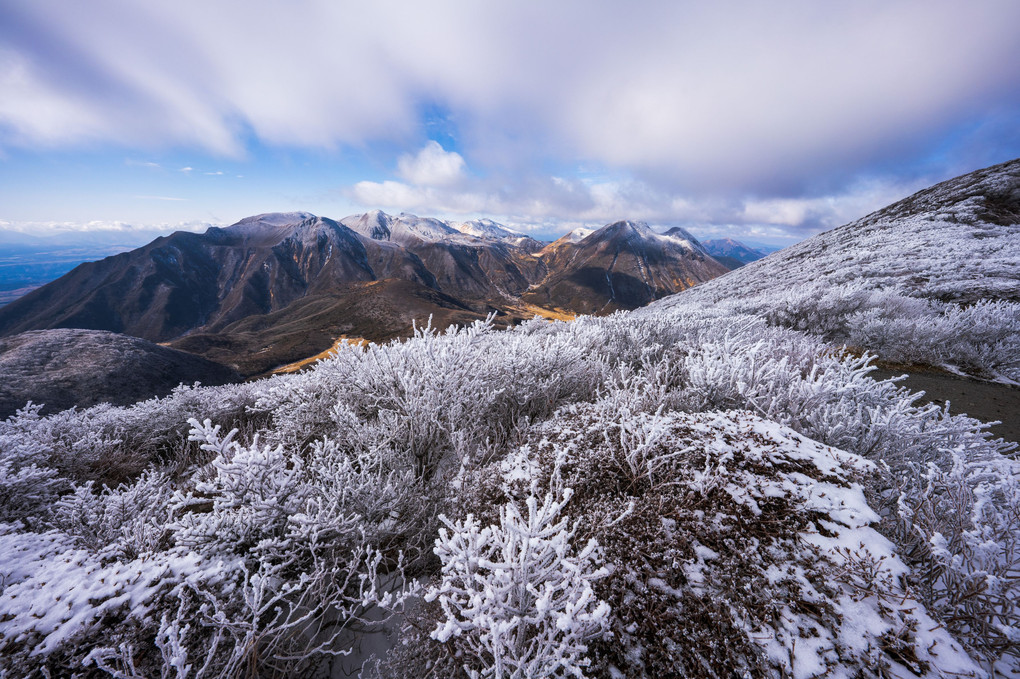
[[276, 288], [624, 265]]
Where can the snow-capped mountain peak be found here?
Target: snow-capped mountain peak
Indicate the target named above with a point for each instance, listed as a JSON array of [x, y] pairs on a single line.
[[487, 229], [404, 228], [578, 234], [684, 239]]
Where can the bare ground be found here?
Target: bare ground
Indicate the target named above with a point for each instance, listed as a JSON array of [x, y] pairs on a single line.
[[985, 401]]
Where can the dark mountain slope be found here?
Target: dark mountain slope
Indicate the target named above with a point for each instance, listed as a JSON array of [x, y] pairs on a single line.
[[186, 281], [376, 311], [621, 266], [68, 367]]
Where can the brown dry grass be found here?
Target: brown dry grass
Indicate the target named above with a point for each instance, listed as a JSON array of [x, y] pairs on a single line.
[[298, 365], [551, 314]]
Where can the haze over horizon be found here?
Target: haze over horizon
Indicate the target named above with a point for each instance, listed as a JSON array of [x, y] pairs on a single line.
[[764, 123]]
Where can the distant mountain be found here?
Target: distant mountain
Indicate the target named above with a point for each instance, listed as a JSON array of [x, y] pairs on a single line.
[[732, 253], [578, 234], [404, 229], [276, 288], [464, 265], [487, 229], [623, 265], [69, 367], [954, 242], [186, 281]]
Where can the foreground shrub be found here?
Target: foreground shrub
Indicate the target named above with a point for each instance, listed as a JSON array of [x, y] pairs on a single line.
[[744, 548], [517, 599]]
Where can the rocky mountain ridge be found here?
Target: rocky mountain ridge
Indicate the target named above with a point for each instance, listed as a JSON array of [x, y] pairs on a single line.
[[623, 265]]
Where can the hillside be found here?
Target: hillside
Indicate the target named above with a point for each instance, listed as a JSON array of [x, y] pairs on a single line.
[[689, 489], [376, 311], [65, 368], [932, 279], [954, 242]]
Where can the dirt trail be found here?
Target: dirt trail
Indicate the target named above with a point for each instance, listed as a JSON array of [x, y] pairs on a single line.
[[984, 401]]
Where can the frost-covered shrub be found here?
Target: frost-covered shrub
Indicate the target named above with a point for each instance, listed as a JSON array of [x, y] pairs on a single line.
[[517, 596], [747, 550], [979, 338], [263, 559], [461, 392], [299, 520], [111, 444], [942, 480], [820, 310], [123, 522], [985, 338]]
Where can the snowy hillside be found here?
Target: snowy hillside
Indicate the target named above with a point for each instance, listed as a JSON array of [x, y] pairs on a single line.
[[934, 278], [689, 494], [693, 489], [957, 241]]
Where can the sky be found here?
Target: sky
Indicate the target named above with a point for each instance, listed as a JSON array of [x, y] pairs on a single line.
[[763, 121]]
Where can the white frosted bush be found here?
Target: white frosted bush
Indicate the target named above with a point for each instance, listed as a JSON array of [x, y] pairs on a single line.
[[123, 522], [745, 550], [518, 595], [979, 338]]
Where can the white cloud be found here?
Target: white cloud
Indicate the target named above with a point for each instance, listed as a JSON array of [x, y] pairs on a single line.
[[39, 112], [101, 227], [742, 112], [732, 94], [432, 166], [555, 204]]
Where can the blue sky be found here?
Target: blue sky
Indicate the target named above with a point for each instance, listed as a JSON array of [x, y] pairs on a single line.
[[763, 121]]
